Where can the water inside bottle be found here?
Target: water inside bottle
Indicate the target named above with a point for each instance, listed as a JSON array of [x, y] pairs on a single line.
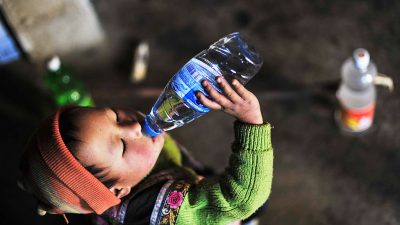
[[170, 111], [230, 57], [234, 57]]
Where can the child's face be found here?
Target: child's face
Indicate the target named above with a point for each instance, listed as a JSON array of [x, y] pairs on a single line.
[[112, 139]]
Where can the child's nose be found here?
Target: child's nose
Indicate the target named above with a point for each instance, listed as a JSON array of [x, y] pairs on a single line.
[[132, 130]]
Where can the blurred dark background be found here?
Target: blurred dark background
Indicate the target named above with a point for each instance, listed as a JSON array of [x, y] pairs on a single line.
[[321, 175]]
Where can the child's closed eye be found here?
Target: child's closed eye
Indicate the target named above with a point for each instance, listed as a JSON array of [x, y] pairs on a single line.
[[117, 117], [123, 146]]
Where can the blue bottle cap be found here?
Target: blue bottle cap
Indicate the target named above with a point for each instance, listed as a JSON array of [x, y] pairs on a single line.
[[149, 131]]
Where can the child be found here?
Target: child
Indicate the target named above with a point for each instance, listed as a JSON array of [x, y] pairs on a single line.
[[96, 160]]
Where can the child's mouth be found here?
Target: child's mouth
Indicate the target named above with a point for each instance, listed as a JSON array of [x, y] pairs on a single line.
[[155, 138]]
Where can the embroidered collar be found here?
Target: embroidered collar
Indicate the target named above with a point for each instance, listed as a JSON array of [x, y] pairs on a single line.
[[168, 203], [168, 198]]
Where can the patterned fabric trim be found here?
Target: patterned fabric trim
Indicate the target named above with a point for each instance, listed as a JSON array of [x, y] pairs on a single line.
[[169, 201], [160, 198], [116, 214]]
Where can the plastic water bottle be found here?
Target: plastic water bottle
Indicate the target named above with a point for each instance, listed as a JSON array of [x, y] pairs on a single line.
[[65, 88], [231, 57], [357, 92]]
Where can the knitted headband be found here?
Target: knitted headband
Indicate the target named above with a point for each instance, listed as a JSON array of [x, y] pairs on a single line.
[[59, 179]]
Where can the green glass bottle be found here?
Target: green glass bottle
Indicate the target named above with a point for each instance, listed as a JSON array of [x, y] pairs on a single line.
[[66, 89]]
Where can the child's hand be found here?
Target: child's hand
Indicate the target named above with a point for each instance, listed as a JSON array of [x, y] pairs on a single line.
[[236, 101]]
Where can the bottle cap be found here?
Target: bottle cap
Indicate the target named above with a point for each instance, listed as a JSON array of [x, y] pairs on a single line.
[[361, 58], [54, 63], [148, 131]]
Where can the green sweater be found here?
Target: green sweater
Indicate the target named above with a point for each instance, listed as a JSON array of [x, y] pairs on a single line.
[[243, 187]]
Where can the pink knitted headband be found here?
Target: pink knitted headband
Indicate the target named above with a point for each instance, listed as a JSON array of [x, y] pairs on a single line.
[[67, 181]]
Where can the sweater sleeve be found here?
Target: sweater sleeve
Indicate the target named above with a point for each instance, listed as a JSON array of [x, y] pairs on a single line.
[[243, 187]]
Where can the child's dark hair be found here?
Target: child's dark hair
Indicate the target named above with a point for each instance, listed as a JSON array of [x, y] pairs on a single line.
[[69, 128]]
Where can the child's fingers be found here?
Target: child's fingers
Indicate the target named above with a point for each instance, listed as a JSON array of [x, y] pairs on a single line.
[[227, 89], [207, 102], [240, 89], [215, 95]]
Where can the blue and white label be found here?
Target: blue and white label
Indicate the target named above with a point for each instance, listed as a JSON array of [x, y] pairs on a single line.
[[188, 81]]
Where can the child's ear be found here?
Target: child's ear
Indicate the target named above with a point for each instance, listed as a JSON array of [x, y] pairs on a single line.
[[120, 191]]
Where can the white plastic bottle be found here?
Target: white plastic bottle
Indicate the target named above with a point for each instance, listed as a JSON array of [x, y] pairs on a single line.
[[357, 93]]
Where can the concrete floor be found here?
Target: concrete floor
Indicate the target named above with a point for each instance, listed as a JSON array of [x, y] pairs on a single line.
[[321, 175]]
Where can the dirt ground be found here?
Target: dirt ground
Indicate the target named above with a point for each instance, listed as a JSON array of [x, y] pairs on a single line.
[[321, 176]]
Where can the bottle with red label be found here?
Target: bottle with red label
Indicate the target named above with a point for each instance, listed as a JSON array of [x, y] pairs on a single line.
[[357, 92]]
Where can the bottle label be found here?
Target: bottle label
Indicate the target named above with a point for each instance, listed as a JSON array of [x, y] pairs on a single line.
[[188, 81], [358, 119]]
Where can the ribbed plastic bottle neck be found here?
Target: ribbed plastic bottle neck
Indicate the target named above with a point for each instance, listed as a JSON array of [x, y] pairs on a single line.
[[358, 73]]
